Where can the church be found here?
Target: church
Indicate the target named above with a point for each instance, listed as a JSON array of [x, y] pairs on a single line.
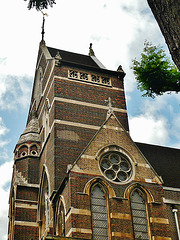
[[77, 172]]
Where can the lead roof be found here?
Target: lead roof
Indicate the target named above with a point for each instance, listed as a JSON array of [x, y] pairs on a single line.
[[74, 57], [165, 161]]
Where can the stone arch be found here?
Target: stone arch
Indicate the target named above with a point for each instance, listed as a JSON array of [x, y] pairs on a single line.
[[34, 149], [44, 202], [132, 187], [87, 188], [60, 217], [23, 150], [100, 213]]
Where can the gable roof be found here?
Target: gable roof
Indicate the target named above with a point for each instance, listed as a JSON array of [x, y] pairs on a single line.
[[166, 162], [74, 57], [118, 136]]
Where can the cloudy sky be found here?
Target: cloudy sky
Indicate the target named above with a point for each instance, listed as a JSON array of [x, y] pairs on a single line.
[[117, 30]]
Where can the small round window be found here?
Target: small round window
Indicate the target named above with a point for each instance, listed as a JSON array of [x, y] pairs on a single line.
[[116, 167]]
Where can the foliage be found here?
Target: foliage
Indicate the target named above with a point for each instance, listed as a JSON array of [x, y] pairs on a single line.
[[40, 4], [155, 73]]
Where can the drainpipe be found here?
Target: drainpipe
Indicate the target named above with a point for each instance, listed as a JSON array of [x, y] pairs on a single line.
[[176, 220]]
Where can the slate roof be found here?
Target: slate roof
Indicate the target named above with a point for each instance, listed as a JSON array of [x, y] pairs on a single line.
[[74, 57], [165, 161]]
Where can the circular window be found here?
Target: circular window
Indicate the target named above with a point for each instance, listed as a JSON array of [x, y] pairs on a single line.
[[116, 167]]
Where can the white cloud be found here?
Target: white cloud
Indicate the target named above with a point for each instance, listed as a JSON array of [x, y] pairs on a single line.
[[14, 91], [117, 30], [148, 129], [3, 131]]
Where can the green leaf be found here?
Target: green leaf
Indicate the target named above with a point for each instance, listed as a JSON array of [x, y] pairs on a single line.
[[155, 73]]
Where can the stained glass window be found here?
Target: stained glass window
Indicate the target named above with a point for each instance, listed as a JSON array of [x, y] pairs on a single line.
[[99, 213], [139, 216]]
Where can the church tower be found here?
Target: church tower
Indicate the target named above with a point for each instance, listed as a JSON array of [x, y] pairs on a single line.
[[77, 172]]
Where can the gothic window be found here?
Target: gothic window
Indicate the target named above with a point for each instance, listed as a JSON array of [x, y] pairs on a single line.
[[38, 86], [99, 212], [46, 120], [44, 206], [116, 167], [139, 216], [61, 220]]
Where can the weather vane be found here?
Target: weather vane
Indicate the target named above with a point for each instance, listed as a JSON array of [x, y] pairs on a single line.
[[43, 32]]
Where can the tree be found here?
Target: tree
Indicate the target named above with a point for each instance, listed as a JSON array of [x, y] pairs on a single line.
[[155, 73], [40, 4], [167, 14]]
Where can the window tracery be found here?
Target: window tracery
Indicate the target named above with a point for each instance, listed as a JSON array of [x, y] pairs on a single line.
[[90, 78], [116, 166]]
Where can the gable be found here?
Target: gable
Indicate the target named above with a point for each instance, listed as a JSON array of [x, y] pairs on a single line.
[[112, 137]]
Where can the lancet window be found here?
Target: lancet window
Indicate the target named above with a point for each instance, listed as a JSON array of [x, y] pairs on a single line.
[[61, 220], [99, 212], [139, 215]]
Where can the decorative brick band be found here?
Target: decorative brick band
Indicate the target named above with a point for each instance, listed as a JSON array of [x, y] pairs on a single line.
[[78, 230], [28, 224], [120, 216], [78, 211], [160, 238], [87, 104], [24, 205], [159, 220], [75, 124], [122, 235]]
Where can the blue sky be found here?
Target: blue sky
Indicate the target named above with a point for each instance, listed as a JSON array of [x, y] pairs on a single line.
[[117, 30]]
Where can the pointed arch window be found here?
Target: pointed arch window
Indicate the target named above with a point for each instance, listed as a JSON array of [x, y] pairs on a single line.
[[139, 215], [61, 220], [44, 206], [99, 212]]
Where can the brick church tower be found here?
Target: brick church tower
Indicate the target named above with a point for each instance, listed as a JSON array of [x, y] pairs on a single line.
[[77, 173]]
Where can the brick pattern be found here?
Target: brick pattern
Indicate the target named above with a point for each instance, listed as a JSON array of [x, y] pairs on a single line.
[[65, 144], [26, 233], [24, 214], [27, 193]]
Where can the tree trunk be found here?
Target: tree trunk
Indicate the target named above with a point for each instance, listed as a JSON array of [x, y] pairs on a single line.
[[167, 14]]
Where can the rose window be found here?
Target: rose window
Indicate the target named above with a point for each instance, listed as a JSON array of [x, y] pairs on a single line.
[[116, 167]]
